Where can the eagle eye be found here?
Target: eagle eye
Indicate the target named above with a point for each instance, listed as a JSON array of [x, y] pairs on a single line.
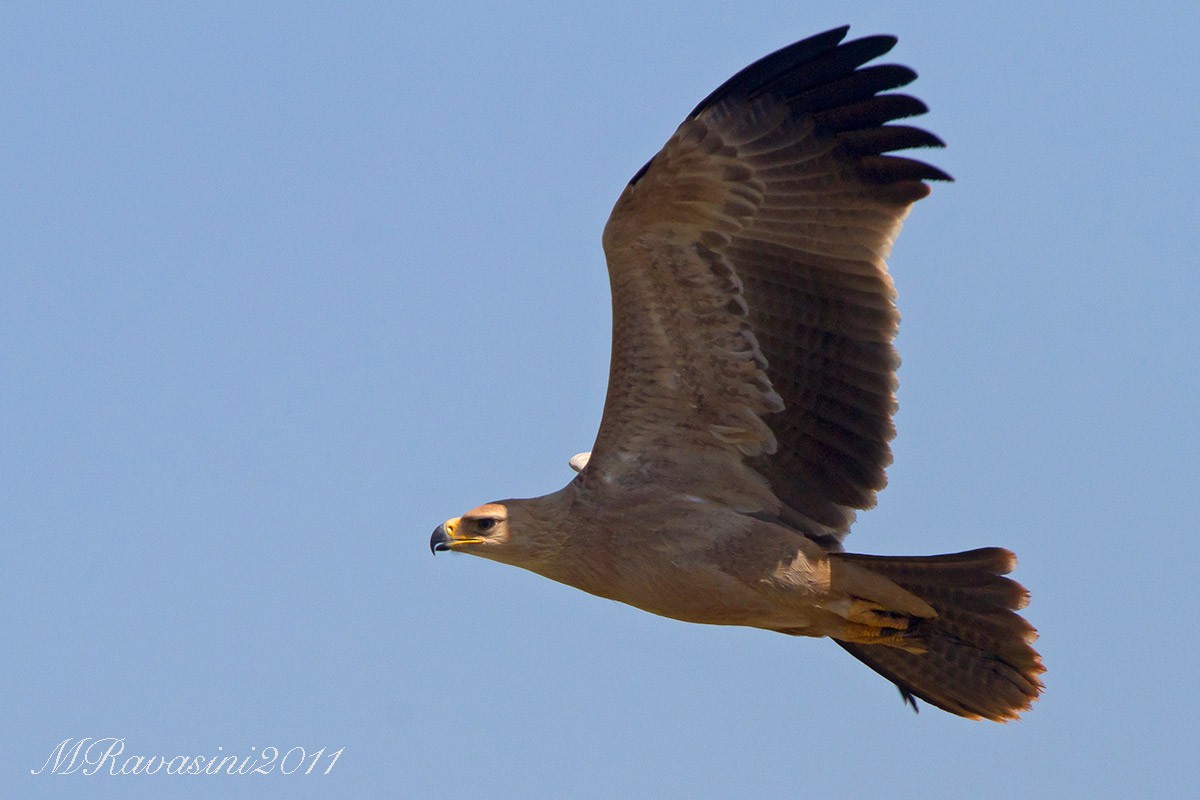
[[486, 523]]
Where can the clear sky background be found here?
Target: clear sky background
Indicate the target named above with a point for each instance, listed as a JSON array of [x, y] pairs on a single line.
[[281, 289]]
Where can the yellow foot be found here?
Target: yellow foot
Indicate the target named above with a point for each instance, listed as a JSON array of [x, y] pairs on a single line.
[[870, 623], [887, 636], [867, 613]]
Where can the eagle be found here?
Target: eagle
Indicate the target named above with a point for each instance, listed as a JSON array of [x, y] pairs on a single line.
[[752, 387]]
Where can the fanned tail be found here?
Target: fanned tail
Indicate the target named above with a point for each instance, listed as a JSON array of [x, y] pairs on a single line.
[[979, 662]]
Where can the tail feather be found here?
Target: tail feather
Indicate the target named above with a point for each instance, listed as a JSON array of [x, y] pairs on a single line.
[[979, 662]]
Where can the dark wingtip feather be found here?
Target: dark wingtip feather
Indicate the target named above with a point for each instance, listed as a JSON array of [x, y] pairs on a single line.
[[850, 90], [892, 169], [885, 139], [824, 77], [871, 112], [770, 67]]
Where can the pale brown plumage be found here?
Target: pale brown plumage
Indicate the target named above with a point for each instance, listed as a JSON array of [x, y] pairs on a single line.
[[751, 392]]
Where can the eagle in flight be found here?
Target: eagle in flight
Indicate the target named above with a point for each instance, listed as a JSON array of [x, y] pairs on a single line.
[[752, 387]]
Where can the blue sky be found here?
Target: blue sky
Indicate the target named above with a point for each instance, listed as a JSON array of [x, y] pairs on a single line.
[[283, 289]]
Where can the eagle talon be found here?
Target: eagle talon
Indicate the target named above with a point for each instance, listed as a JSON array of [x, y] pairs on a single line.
[[887, 636], [874, 615]]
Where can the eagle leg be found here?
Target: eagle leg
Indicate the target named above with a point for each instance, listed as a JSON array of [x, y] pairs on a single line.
[[889, 635]]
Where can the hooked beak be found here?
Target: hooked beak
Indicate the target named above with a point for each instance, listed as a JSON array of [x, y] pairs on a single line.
[[445, 537], [440, 539]]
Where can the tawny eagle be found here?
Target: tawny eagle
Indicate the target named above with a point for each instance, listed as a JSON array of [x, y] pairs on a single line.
[[752, 387]]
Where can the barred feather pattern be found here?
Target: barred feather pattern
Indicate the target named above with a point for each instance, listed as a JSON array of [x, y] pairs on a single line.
[[979, 661]]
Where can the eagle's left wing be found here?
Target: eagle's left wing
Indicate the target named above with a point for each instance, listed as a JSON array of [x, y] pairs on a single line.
[[753, 316]]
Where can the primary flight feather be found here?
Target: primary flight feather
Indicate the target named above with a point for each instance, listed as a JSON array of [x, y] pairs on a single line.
[[752, 387]]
